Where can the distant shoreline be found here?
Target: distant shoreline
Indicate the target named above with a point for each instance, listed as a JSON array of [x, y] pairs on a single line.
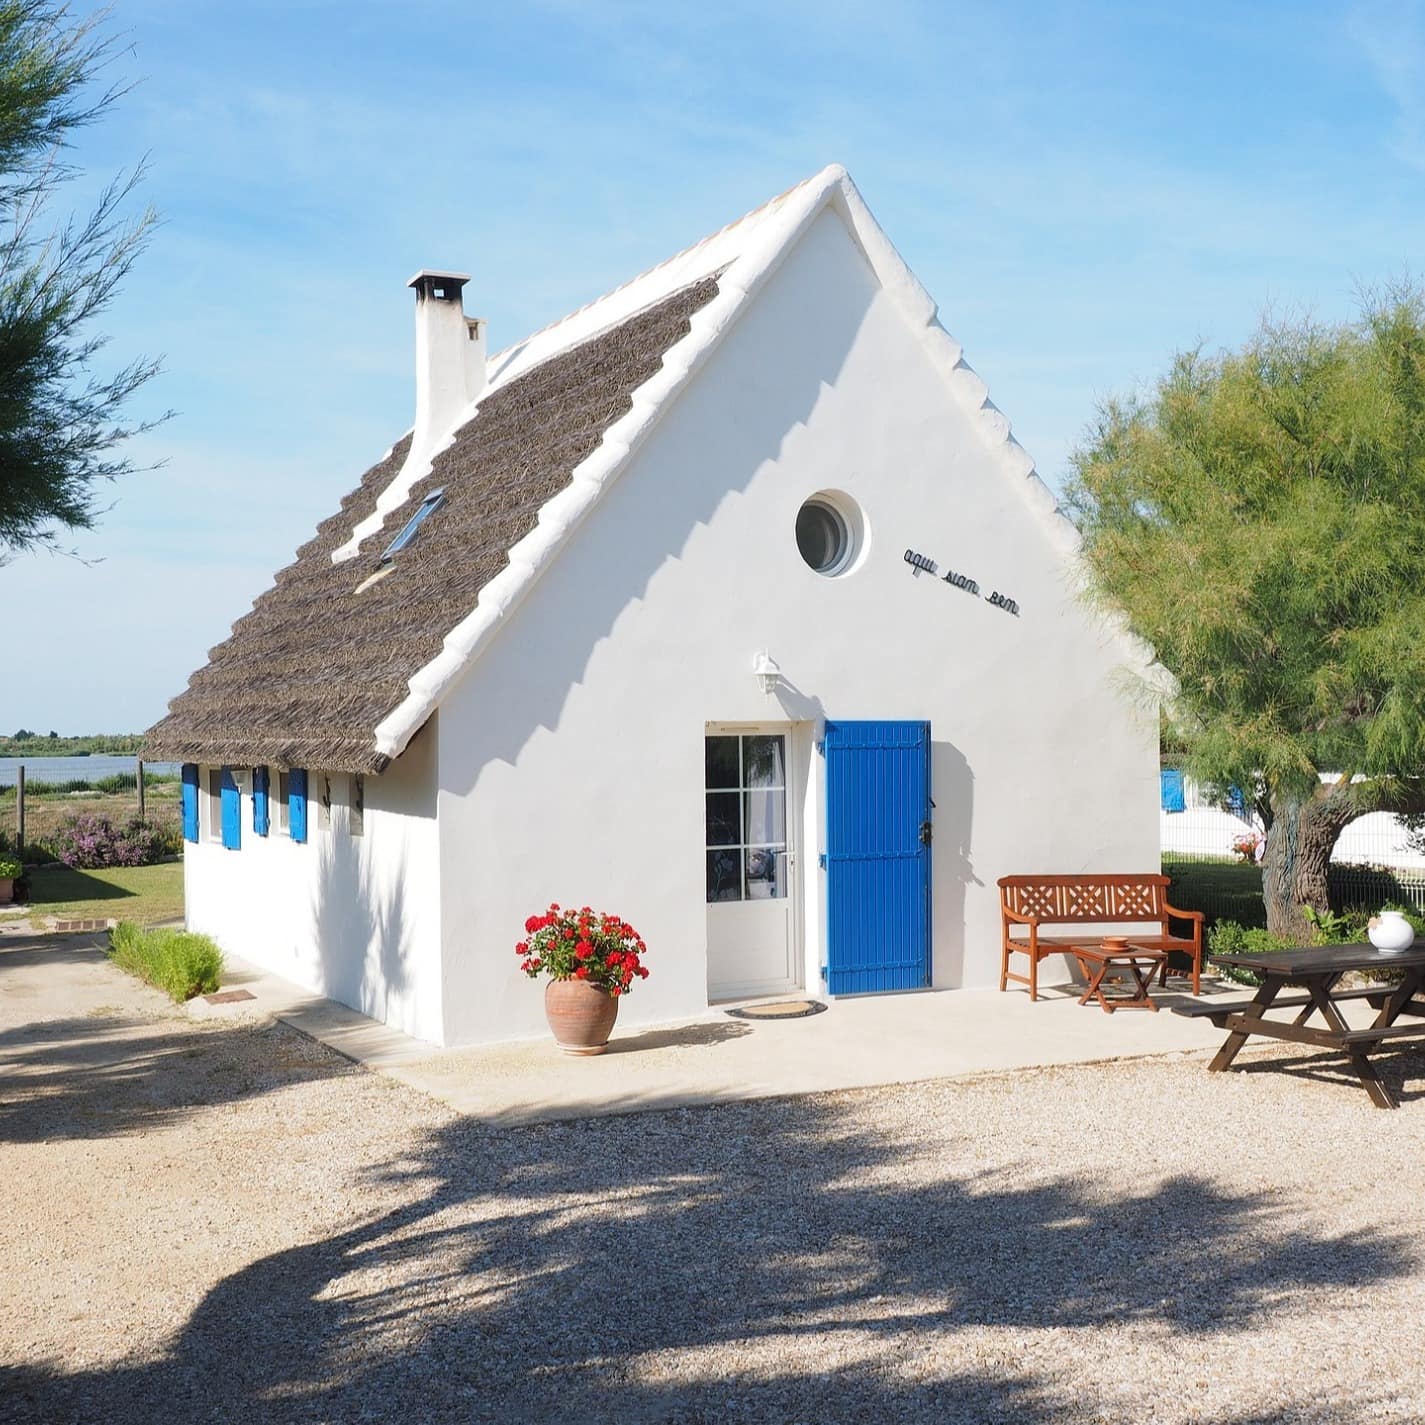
[[103, 745]]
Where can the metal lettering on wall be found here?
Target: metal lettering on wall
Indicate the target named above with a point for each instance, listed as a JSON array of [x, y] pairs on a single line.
[[920, 564]]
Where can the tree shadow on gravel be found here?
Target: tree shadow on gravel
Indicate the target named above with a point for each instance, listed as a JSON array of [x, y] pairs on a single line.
[[754, 1262], [98, 1075]]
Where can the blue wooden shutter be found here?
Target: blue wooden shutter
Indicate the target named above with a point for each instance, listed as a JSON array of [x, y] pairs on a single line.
[[232, 812], [190, 801], [261, 816], [877, 856], [1172, 795], [297, 803]]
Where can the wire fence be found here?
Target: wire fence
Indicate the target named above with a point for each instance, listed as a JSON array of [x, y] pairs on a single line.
[[1212, 844], [33, 807]]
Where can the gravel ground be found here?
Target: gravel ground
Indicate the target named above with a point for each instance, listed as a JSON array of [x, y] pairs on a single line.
[[216, 1223]]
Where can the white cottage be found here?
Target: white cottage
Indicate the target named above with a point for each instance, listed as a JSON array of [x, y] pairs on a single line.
[[727, 603]]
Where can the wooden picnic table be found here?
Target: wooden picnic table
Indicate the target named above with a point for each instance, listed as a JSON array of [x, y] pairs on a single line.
[[1318, 969]]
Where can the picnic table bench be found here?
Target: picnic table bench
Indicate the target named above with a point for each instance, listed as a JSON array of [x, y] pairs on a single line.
[[1122, 903], [1319, 969]]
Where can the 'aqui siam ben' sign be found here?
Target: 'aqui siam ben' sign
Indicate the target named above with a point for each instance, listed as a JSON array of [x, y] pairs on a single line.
[[919, 564]]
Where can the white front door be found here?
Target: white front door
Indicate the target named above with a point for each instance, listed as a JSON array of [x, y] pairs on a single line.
[[752, 942]]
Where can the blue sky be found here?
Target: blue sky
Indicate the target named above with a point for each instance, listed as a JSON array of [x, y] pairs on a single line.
[[1084, 188]]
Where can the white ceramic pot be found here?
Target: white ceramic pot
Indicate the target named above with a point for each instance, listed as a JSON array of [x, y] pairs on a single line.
[[1390, 932]]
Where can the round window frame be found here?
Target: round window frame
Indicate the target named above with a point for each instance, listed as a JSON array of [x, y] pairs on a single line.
[[848, 516]]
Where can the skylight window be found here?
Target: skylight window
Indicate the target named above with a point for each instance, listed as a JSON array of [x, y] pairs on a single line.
[[429, 506]]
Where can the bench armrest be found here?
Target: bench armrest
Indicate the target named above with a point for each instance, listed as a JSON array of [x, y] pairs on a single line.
[[1177, 914], [1018, 919]]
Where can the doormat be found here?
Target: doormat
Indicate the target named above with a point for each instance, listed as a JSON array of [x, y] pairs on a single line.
[[782, 1009]]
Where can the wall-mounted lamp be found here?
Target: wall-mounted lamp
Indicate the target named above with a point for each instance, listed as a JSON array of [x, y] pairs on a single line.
[[768, 674], [242, 778]]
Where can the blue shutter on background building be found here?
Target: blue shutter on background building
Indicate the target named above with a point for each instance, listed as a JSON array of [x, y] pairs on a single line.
[[261, 816], [297, 804], [232, 812], [878, 830], [190, 801], [1171, 792]]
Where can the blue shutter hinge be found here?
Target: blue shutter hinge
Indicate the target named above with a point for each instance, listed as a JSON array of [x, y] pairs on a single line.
[[821, 747], [823, 972], [821, 860]]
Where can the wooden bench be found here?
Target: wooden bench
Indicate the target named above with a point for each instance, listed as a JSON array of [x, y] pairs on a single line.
[[1119, 902], [1218, 1010]]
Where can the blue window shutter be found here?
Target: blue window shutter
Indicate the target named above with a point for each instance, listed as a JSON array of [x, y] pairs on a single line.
[[1171, 793], [190, 801], [261, 817], [297, 803], [232, 812]]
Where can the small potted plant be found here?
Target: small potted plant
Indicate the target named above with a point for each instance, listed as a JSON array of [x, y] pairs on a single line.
[[10, 872], [591, 959]]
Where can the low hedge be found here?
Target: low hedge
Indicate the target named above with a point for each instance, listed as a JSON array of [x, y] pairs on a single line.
[[178, 962]]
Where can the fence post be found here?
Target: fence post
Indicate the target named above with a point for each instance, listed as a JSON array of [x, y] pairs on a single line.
[[20, 805], [141, 804]]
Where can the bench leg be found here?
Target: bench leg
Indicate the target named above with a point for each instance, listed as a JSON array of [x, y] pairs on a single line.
[[1003, 964], [1033, 976], [1232, 1045], [1381, 1096]]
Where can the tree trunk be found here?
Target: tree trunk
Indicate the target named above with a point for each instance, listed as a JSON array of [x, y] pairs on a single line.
[[1300, 838]]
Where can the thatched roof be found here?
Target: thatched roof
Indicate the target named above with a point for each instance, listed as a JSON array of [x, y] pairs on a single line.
[[309, 673]]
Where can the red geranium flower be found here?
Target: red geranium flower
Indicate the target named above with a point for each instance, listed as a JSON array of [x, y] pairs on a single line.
[[583, 950], [582, 972]]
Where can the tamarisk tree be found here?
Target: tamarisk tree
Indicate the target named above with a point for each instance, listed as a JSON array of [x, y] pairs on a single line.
[[61, 415], [1259, 519]]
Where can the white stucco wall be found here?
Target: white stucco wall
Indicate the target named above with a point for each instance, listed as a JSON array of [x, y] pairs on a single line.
[[571, 754], [356, 918]]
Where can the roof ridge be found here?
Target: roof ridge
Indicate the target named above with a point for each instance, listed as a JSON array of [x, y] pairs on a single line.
[[657, 267]]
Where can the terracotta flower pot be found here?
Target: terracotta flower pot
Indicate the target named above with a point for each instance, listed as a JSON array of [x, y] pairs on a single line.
[[580, 1014], [7, 891]]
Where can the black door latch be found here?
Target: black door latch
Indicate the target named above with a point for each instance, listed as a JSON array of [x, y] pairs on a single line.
[[927, 831]]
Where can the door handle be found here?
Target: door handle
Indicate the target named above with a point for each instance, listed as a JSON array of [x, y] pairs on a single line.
[[927, 833]]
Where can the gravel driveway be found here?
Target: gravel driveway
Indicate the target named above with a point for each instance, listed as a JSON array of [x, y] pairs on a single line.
[[233, 1224]]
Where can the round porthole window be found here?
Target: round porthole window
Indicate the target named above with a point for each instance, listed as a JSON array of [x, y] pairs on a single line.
[[829, 530]]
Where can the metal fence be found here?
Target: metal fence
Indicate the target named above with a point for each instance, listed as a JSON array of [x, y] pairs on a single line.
[[33, 806], [1212, 843]]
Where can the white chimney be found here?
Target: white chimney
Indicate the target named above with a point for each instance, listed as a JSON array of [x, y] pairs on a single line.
[[450, 355]]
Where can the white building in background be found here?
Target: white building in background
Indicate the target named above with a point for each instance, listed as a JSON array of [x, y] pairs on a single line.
[[1193, 822], [727, 603]]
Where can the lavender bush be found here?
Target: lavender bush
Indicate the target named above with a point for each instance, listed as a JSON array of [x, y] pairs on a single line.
[[90, 841]]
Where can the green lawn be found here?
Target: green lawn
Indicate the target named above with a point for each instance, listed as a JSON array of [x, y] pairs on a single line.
[[1223, 890], [144, 894]]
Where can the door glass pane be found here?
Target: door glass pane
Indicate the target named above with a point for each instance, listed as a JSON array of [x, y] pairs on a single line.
[[765, 879], [720, 754], [723, 826], [725, 875], [762, 757], [766, 818]]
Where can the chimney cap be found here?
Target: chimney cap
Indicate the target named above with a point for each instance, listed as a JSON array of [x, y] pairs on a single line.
[[429, 278]]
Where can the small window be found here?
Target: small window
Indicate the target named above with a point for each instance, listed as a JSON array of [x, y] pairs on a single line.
[[428, 507], [213, 805], [281, 816], [356, 812], [830, 532]]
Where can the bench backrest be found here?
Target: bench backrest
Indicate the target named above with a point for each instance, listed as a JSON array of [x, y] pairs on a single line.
[[1071, 900]]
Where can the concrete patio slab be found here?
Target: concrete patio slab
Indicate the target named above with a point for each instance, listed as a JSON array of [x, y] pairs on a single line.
[[856, 1043]]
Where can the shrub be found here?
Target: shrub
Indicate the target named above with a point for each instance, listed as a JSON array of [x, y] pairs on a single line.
[[1227, 937], [10, 868], [177, 961], [91, 841]]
